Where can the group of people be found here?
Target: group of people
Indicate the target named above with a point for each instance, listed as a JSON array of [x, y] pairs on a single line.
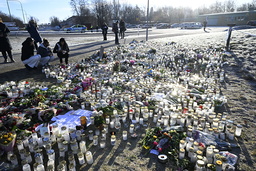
[[116, 28], [43, 55]]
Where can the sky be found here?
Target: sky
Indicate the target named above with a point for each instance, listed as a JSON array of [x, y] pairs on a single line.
[[42, 10]]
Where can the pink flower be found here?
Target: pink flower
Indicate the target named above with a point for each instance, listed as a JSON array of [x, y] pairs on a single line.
[[155, 143], [160, 149]]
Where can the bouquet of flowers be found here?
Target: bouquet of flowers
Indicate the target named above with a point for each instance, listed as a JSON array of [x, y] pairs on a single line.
[[46, 115]]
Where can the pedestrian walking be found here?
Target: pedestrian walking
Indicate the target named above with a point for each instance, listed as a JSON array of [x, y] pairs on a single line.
[[122, 28], [115, 30], [32, 29], [104, 29], [62, 50], [28, 58], [46, 53], [5, 45], [204, 24]]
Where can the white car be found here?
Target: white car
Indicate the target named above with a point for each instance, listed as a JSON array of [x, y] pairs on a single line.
[[191, 25], [76, 28]]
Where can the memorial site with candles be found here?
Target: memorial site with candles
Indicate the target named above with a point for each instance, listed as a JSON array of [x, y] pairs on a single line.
[[164, 99]]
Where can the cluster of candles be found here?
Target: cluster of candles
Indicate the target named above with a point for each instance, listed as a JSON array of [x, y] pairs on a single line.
[[176, 95]]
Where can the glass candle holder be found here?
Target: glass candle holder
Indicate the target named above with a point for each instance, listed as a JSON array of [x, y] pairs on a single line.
[[95, 140], [40, 167], [90, 135], [26, 167], [28, 157], [71, 159], [82, 146], [125, 135], [182, 144], [238, 131], [102, 143], [182, 153], [89, 157], [112, 124], [81, 159], [131, 130], [113, 140]]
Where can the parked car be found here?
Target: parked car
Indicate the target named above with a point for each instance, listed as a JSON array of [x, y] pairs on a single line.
[[191, 25], [76, 28], [163, 26], [175, 25], [146, 26], [251, 23]]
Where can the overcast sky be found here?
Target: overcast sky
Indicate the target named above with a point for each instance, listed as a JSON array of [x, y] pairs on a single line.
[[44, 9]]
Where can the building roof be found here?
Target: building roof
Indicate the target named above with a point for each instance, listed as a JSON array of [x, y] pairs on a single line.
[[229, 13]]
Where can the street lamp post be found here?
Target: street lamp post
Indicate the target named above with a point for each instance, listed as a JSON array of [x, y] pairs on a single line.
[[147, 22], [21, 9]]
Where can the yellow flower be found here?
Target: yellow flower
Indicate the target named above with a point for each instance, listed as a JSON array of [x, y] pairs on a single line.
[[155, 137], [146, 147]]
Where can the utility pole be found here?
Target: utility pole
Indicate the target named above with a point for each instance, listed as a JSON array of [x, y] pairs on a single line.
[[9, 9], [147, 22]]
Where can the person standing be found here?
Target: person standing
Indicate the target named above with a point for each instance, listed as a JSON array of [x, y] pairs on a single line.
[[5, 46], [122, 28], [62, 49], [204, 24], [28, 58], [46, 53], [104, 29], [115, 30], [32, 29]]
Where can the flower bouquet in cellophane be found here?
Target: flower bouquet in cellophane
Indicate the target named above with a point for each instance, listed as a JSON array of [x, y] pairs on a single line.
[[7, 141]]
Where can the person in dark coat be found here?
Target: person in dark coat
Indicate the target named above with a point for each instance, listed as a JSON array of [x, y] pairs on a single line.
[[115, 30], [122, 28], [104, 31], [62, 49], [5, 46], [33, 31], [204, 24], [28, 58], [46, 53]]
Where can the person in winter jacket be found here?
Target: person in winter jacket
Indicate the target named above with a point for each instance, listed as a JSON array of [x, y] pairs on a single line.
[[5, 46], [62, 49], [46, 53], [115, 30], [28, 58], [32, 29], [104, 31], [122, 28]]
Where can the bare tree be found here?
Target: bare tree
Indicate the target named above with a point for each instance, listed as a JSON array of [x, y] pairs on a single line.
[[217, 7], [230, 6], [102, 11], [54, 21], [79, 7]]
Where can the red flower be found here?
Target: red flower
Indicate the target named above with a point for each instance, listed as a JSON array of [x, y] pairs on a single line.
[[160, 149]]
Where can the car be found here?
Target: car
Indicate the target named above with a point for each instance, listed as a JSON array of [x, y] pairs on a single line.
[[163, 26], [175, 25], [251, 23], [76, 28], [191, 25]]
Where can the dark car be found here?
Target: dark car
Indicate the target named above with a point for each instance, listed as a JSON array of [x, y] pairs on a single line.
[[251, 23]]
